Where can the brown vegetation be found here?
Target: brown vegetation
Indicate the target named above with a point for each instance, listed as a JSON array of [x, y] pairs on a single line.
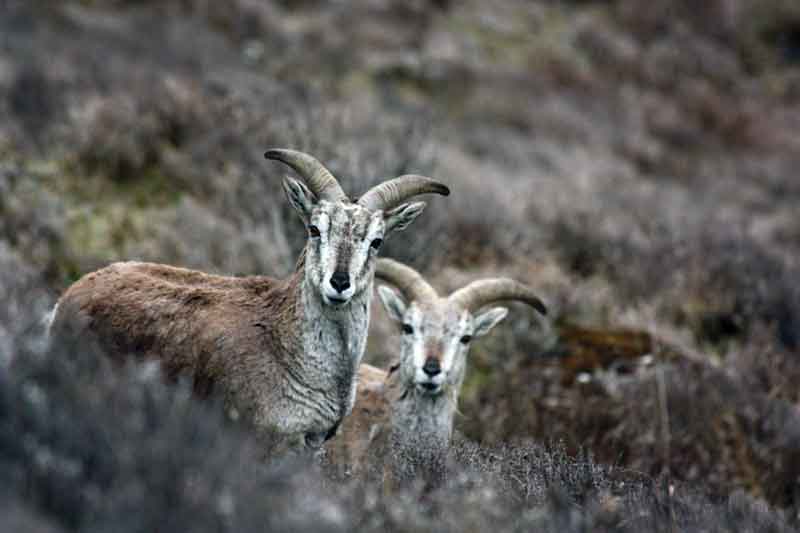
[[637, 166]]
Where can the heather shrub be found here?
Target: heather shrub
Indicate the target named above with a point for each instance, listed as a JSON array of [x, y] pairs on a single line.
[[636, 166]]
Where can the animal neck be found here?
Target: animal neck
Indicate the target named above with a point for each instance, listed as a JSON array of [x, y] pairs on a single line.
[[421, 420], [343, 325], [333, 340]]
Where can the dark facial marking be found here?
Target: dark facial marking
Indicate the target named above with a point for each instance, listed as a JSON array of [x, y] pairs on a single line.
[[332, 431], [345, 251], [343, 257]]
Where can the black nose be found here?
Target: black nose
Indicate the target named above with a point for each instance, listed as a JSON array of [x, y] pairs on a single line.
[[340, 281], [432, 367]]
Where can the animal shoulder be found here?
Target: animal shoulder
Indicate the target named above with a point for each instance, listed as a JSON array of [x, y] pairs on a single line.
[[135, 277], [184, 277], [371, 401]]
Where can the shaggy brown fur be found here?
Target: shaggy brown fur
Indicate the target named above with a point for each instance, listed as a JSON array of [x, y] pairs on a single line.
[[366, 431], [163, 312], [215, 329]]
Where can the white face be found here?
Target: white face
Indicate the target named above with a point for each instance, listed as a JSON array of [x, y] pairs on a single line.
[[435, 340], [343, 241]]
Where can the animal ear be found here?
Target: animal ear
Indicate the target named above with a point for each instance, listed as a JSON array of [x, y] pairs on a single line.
[[400, 217], [485, 321], [392, 302], [299, 196]]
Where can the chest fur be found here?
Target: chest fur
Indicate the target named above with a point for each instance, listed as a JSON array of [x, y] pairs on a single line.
[[321, 378], [421, 423]]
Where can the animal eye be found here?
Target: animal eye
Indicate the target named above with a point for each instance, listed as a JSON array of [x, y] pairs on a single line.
[[313, 230], [465, 339], [407, 329], [376, 244]]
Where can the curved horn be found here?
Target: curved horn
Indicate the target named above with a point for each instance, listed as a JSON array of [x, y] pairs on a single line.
[[391, 193], [406, 279], [485, 291], [317, 177]]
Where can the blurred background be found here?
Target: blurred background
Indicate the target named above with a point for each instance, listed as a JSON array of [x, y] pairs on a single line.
[[636, 162]]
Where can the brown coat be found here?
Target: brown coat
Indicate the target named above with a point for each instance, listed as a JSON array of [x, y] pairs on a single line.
[[239, 335]]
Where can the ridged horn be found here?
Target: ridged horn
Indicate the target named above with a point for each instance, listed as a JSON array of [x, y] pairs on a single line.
[[410, 283], [392, 193], [318, 178], [485, 291]]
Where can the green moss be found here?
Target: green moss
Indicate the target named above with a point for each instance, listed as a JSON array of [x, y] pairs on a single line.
[[151, 189], [479, 372], [105, 216], [477, 379], [105, 231]]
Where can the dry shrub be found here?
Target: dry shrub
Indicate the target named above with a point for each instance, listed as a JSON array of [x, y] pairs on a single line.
[[21, 297], [237, 19], [34, 99], [90, 447], [629, 162], [124, 136], [32, 224], [70, 461], [713, 283], [716, 427]]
